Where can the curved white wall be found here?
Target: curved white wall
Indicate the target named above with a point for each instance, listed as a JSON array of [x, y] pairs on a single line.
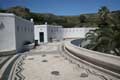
[[105, 62], [73, 32]]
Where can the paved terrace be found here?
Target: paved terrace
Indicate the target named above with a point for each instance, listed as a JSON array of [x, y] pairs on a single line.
[[47, 62]]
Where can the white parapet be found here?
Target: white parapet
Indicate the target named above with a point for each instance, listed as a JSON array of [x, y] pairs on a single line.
[[104, 62]]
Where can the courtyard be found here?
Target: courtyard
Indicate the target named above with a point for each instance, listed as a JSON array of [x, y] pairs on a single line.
[[47, 62]]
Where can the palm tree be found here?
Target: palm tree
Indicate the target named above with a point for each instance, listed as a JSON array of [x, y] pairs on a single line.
[[105, 38], [103, 15]]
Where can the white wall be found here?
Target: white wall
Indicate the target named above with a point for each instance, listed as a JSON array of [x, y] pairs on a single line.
[[40, 28], [7, 32], [59, 33], [24, 32], [75, 32], [55, 32]]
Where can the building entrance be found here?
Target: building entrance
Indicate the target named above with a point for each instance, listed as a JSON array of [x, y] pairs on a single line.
[[41, 36]]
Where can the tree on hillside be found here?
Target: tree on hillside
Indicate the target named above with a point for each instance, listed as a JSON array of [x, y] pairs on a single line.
[[2, 10], [38, 19], [82, 20]]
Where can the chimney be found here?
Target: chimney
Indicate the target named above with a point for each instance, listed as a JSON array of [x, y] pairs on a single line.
[[31, 20], [45, 23]]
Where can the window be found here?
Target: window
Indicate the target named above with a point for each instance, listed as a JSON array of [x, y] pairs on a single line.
[[28, 29], [2, 26], [70, 30], [25, 29], [51, 30], [17, 28], [31, 29], [57, 29], [73, 30], [22, 29]]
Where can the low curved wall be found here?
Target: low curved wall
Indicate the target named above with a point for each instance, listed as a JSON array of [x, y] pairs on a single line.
[[10, 52], [109, 62]]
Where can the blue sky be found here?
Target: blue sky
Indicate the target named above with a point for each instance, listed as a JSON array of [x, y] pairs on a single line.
[[62, 7]]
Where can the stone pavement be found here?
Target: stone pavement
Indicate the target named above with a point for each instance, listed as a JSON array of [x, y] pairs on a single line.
[[6, 65], [47, 63]]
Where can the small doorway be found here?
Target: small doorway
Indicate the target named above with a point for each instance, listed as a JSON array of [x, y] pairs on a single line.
[[41, 36]]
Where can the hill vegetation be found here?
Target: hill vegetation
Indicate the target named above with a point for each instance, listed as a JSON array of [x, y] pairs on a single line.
[[83, 20]]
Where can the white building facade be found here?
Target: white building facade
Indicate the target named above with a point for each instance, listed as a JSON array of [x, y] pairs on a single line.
[[40, 33], [44, 33], [14, 31]]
